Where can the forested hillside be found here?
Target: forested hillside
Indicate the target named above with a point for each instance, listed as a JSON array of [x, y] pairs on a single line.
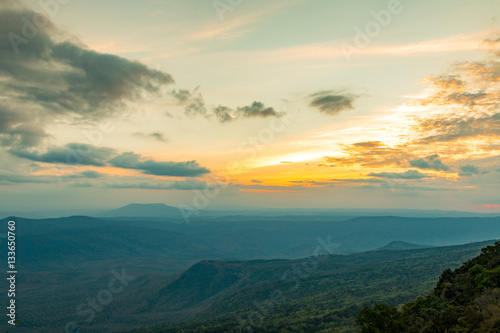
[[466, 299], [284, 296]]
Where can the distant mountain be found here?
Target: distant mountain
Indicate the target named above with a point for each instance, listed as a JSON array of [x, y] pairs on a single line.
[[56, 244], [400, 245], [341, 212], [162, 210], [144, 210], [285, 237]]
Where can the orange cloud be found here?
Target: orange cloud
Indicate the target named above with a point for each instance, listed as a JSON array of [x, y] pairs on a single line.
[[264, 191], [370, 153], [491, 206]]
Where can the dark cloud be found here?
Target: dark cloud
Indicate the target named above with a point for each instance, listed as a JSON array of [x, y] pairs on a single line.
[[331, 102], [100, 81], [430, 163], [71, 154], [45, 73], [410, 174], [18, 127], [193, 102], [223, 113], [153, 135], [87, 174], [469, 170], [8, 179], [257, 109], [129, 160], [194, 105], [181, 95], [177, 169]]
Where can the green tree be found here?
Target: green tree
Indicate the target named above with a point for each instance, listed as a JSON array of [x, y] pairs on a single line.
[[380, 319]]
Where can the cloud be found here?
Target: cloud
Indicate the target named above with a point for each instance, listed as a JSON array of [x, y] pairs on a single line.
[[491, 206], [177, 169], [331, 102], [127, 160], [130, 160], [452, 127], [467, 96], [186, 184], [430, 162], [460, 104], [469, 170], [370, 153], [193, 101], [71, 154], [195, 105], [87, 174], [181, 95], [410, 174], [52, 74], [257, 109], [19, 126], [223, 113], [153, 135], [493, 45], [8, 179]]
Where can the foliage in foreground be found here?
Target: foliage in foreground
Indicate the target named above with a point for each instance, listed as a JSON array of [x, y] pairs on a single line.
[[465, 300]]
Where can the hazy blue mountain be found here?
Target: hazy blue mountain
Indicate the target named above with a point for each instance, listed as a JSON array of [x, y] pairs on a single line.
[[79, 239], [162, 210], [399, 245], [143, 210]]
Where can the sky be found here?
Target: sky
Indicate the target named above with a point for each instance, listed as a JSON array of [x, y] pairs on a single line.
[[250, 103]]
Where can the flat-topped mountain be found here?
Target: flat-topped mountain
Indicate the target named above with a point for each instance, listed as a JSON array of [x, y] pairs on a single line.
[[400, 245], [144, 210]]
